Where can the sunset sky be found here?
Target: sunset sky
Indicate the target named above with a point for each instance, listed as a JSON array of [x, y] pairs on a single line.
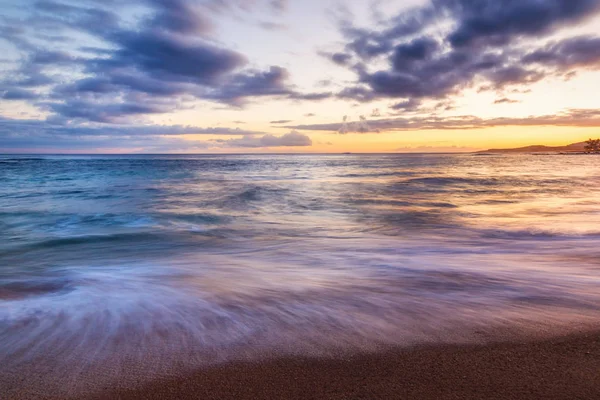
[[161, 76]]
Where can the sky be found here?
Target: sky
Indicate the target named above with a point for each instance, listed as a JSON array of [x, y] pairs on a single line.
[[245, 76]]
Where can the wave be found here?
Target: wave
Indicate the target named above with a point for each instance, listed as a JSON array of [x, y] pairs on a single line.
[[87, 239], [377, 174], [164, 318], [101, 224], [505, 181], [17, 289], [22, 159], [400, 203], [447, 181], [250, 197], [536, 233]]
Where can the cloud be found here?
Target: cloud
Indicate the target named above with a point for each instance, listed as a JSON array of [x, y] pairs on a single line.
[[18, 94], [359, 126], [279, 6], [40, 135], [253, 84], [338, 58], [281, 121], [161, 55], [505, 100], [180, 16], [292, 139], [437, 50], [84, 110], [317, 96], [581, 51], [25, 127], [272, 26], [407, 105], [162, 62], [101, 144], [51, 57], [574, 118], [491, 22]]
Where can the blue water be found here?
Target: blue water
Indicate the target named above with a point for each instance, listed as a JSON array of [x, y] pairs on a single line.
[[146, 265]]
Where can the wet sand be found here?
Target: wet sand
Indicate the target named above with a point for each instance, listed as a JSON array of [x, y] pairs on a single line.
[[563, 368]]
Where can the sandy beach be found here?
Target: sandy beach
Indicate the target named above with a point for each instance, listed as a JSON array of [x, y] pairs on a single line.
[[562, 368]]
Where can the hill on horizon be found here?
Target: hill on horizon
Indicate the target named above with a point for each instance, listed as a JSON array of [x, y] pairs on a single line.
[[573, 147]]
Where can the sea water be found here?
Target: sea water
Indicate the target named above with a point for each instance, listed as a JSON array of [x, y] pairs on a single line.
[[117, 269]]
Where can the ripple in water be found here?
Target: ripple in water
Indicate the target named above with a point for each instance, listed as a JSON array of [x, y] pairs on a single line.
[[252, 257]]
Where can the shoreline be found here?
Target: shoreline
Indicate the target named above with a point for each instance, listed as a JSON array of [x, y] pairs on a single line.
[[566, 367]]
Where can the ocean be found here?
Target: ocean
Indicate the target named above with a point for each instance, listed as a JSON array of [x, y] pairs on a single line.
[[147, 265]]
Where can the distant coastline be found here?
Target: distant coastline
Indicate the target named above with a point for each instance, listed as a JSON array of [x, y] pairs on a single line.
[[573, 148]]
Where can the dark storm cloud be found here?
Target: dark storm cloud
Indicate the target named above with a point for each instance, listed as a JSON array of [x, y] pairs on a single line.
[[573, 118], [446, 46], [161, 64]]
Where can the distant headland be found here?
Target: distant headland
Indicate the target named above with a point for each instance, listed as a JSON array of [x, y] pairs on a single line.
[[571, 148]]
